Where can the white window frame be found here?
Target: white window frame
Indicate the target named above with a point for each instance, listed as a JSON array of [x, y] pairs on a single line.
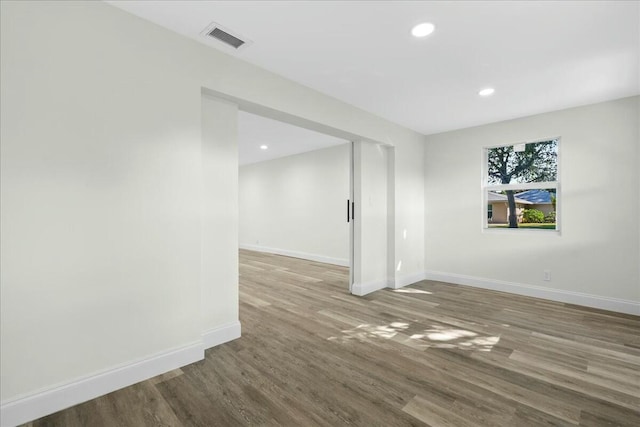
[[486, 187]]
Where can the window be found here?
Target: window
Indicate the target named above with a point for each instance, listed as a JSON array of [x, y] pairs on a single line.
[[521, 186]]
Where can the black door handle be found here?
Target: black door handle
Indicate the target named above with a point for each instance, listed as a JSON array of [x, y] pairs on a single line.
[[353, 210], [348, 215]]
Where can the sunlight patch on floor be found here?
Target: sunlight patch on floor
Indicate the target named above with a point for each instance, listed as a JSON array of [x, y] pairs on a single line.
[[435, 337], [448, 334]]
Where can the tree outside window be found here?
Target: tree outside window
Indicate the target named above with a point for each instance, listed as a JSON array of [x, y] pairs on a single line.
[[522, 185]]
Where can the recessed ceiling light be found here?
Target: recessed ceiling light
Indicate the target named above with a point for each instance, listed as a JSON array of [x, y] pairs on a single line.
[[263, 147], [486, 91], [423, 30]]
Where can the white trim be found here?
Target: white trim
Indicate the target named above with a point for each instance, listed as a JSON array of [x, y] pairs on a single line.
[[408, 280], [362, 289], [524, 230], [570, 297], [25, 409], [529, 141], [522, 186], [391, 218], [344, 262], [222, 334], [352, 213]]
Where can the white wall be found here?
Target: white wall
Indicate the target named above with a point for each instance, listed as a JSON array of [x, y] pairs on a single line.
[[594, 260], [370, 173], [219, 257], [100, 207], [103, 197], [296, 205]]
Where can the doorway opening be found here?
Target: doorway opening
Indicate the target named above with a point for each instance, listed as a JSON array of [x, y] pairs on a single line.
[[371, 197], [292, 187]]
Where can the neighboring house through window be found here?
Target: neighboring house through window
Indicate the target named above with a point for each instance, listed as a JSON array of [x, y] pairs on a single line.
[[521, 185]]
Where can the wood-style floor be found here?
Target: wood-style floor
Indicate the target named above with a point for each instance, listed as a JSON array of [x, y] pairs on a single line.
[[430, 354]]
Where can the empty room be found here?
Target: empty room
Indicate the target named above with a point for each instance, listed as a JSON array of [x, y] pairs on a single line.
[[300, 213]]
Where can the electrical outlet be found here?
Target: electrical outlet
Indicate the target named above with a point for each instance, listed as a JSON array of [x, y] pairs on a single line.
[[547, 275]]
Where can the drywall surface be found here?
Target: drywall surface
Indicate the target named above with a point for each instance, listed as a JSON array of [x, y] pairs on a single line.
[[371, 218], [220, 213], [297, 205], [597, 250], [101, 197], [103, 190]]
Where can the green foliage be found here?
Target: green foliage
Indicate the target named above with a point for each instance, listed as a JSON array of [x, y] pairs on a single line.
[[550, 217], [537, 163], [532, 215]]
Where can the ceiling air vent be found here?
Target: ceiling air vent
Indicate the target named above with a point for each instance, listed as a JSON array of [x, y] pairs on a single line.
[[222, 35]]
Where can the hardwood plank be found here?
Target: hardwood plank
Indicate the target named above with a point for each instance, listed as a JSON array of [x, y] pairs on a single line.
[[432, 354]]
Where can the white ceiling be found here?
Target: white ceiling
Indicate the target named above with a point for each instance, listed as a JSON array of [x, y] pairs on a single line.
[[281, 139], [540, 56]]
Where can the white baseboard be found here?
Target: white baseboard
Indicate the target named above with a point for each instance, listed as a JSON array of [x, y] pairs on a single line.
[[296, 254], [222, 334], [29, 408], [578, 298], [22, 410], [361, 289], [408, 280]]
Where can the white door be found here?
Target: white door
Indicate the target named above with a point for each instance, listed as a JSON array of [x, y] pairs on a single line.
[[370, 223]]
